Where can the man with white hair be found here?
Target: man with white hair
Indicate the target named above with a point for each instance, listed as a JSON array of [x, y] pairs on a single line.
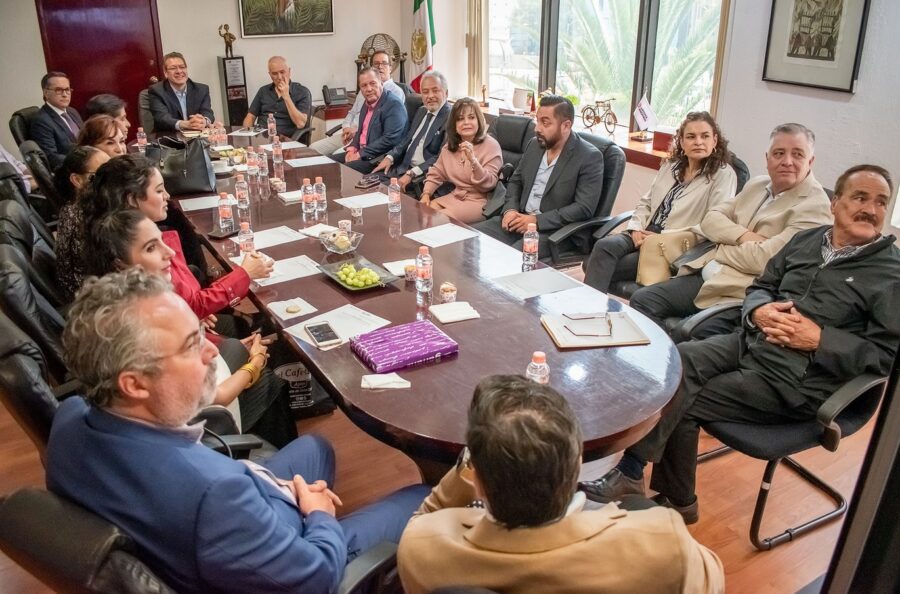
[[289, 101]]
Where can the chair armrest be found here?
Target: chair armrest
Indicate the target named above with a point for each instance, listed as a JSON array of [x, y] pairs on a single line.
[[838, 401], [333, 130], [565, 232], [378, 560], [686, 328], [239, 446], [506, 172], [693, 253], [298, 133], [611, 225]]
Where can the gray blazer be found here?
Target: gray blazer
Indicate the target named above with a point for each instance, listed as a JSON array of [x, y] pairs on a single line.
[[573, 190]]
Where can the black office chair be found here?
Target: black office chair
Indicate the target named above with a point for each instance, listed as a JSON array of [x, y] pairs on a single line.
[[20, 123], [413, 103], [40, 212], [303, 134], [145, 116], [513, 133], [42, 172], [17, 229], [74, 551], [846, 411], [407, 89], [573, 243]]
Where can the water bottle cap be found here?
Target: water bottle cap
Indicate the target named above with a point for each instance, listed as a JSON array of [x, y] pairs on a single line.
[[245, 226], [305, 181], [223, 195], [537, 357], [393, 180], [140, 129], [423, 250], [318, 179], [532, 226], [240, 177]]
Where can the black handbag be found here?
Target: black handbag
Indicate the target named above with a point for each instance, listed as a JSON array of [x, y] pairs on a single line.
[[185, 166]]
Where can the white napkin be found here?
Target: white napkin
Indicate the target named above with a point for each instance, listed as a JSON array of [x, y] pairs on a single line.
[[380, 381], [279, 308], [457, 311], [397, 268]]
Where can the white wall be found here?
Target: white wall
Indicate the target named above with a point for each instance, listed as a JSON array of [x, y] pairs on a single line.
[[315, 60], [23, 64]]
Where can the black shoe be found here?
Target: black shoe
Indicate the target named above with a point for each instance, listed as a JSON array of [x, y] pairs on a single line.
[[611, 487], [689, 513]]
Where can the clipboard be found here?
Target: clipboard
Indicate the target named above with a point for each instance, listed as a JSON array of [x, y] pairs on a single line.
[[624, 332]]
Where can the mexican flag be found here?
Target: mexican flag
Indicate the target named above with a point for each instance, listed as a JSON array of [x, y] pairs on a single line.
[[421, 42]]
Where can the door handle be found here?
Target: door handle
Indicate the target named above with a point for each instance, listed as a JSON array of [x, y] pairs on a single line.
[[154, 80]]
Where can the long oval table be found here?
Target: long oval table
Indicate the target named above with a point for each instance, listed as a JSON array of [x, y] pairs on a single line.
[[617, 393]]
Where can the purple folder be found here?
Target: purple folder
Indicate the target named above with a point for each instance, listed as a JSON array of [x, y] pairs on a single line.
[[406, 345]]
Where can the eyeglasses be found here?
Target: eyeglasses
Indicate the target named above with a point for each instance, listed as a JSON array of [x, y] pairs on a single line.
[[195, 346], [62, 91], [175, 68], [378, 64]]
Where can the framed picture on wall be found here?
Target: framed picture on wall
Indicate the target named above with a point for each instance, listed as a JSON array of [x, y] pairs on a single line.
[[273, 18], [816, 43]]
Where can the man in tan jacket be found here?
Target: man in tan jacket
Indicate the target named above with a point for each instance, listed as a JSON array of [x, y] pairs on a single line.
[[532, 534], [747, 231]]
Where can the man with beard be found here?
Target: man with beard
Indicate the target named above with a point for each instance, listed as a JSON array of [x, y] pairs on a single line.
[[557, 182], [823, 311], [202, 521]]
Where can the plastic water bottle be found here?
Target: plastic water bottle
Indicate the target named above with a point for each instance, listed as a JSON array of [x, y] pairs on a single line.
[[277, 154], [245, 238], [308, 195], [394, 196], [263, 164], [530, 246], [242, 192], [252, 163], [424, 270], [226, 215], [141, 141], [273, 129], [321, 200], [538, 371]]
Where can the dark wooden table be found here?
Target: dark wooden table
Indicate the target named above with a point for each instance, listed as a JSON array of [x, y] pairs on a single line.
[[617, 393]]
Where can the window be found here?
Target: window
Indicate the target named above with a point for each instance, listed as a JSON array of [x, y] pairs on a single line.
[[590, 50]]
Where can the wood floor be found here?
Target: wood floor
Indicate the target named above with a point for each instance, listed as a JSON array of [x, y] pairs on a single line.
[[727, 486]]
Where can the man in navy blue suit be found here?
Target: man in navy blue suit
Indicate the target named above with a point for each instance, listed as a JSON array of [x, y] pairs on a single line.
[[178, 103], [419, 149], [56, 125], [203, 522], [382, 124]]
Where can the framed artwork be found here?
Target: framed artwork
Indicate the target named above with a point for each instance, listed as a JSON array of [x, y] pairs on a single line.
[[816, 43], [272, 18]]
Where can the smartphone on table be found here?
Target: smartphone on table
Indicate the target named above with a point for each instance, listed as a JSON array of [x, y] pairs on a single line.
[[323, 334]]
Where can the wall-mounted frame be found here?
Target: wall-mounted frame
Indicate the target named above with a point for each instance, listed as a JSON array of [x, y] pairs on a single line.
[[276, 18], [816, 43]]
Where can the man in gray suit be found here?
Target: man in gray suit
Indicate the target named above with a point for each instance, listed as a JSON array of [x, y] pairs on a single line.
[[557, 182]]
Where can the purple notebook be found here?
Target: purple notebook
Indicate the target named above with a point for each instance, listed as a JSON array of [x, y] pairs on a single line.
[[406, 345]]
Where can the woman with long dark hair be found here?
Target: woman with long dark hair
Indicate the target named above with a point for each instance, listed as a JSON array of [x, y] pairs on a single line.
[[696, 176]]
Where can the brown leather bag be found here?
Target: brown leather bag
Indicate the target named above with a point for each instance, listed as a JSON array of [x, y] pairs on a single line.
[[658, 253]]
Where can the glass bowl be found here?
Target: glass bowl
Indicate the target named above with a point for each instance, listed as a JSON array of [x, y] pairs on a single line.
[[338, 242]]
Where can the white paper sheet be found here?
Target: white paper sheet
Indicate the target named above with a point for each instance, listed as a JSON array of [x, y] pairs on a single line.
[[276, 236], [542, 281], [291, 144], [363, 200], [285, 270], [223, 147], [398, 267], [308, 161], [291, 197], [246, 132], [201, 203], [317, 229], [442, 235], [347, 322], [447, 313], [279, 308]]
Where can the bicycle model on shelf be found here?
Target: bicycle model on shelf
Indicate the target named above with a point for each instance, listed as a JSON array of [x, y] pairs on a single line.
[[600, 112]]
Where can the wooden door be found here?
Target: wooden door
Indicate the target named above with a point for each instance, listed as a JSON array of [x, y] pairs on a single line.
[[105, 46]]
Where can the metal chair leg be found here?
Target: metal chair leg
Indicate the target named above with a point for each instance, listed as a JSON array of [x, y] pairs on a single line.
[[788, 535], [713, 453]]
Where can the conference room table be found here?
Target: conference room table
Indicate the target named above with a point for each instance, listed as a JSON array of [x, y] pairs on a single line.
[[617, 393]]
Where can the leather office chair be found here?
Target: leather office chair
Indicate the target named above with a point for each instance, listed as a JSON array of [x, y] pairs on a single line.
[[17, 230], [74, 551], [572, 243], [303, 134], [513, 133], [42, 172], [20, 123], [847, 410], [413, 103], [12, 188], [145, 116], [407, 89]]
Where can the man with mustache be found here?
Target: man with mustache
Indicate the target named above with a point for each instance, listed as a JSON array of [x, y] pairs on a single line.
[[557, 182], [823, 311], [202, 521], [746, 231]]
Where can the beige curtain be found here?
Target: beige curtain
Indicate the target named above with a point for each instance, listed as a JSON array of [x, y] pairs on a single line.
[[476, 38]]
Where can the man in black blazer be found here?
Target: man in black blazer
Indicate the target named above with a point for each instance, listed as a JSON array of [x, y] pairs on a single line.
[[557, 182], [382, 123], [178, 103], [56, 125], [419, 149]]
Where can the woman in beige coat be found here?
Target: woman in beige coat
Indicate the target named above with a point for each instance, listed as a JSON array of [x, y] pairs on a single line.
[[470, 160], [696, 176]]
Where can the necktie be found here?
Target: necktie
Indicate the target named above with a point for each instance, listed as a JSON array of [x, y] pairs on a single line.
[[411, 149], [73, 129]]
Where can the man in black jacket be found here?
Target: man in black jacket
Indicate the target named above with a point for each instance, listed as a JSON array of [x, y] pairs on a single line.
[[178, 103], [823, 311]]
